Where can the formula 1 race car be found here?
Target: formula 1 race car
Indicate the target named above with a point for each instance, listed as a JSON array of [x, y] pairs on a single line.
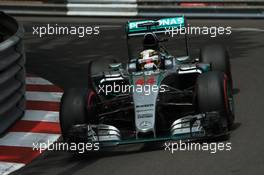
[[154, 97]]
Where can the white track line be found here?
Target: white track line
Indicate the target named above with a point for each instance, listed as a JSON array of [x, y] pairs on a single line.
[[43, 116], [44, 96], [246, 29], [37, 81], [99, 13], [6, 167], [81, 6], [26, 139]]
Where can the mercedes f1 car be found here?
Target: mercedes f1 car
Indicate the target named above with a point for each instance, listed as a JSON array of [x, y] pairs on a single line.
[[153, 97]]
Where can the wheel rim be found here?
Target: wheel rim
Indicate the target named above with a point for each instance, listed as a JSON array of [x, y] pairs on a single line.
[[229, 101], [90, 100]]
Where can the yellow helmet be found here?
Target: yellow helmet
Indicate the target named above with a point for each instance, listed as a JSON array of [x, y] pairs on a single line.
[[149, 59]]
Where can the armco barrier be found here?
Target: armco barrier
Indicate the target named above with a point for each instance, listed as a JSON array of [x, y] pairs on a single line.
[[202, 8], [138, 8], [12, 72]]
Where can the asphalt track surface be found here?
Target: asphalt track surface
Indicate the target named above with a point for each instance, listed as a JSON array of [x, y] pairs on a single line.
[[63, 60]]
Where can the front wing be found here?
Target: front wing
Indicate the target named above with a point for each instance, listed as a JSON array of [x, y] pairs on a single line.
[[190, 128]]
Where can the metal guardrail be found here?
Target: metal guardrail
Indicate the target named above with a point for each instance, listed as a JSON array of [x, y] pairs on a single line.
[[202, 8], [12, 72], [140, 8], [203, 1]]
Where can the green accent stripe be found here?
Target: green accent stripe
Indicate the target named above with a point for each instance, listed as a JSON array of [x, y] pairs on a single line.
[[175, 22]]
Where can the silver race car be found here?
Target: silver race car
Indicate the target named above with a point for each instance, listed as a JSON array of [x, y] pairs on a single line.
[[155, 96]]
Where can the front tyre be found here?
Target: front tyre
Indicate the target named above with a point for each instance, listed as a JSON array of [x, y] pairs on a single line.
[[214, 94], [218, 57], [74, 109], [96, 68]]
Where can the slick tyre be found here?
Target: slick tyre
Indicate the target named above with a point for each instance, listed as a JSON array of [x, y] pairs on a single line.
[[214, 94], [218, 57], [74, 109], [96, 68]]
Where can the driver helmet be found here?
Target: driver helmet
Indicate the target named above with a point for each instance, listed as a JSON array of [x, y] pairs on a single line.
[[149, 59]]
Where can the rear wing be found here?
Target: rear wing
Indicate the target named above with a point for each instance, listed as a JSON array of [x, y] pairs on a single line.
[[135, 28]]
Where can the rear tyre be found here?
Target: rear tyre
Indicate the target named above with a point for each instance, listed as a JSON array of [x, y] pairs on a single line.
[[75, 109], [213, 94]]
